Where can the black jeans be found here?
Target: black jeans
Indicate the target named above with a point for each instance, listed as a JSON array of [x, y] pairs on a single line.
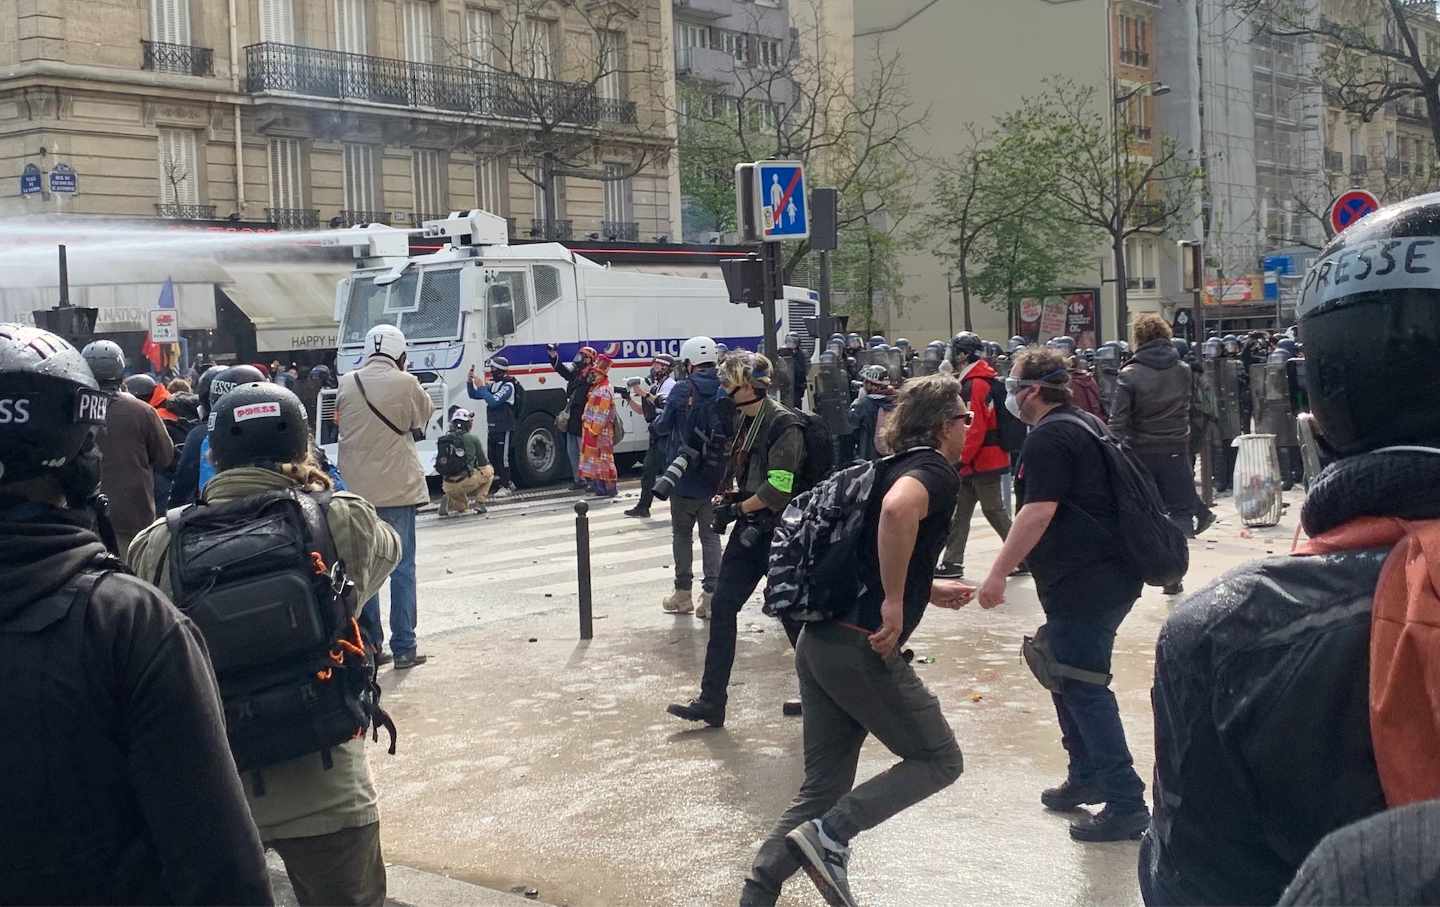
[[497, 445], [741, 569], [1176, 481], [654, 464], [1090, 726]]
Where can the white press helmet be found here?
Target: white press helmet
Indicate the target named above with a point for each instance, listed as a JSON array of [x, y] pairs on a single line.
[[385, 340], [699, 351]]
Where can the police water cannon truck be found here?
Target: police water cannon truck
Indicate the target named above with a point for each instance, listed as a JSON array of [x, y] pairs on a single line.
[[479, 297]]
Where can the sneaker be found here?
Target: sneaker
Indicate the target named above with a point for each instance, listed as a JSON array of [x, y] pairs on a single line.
[[792, 708], [678, 602], [950, 570], [699, 710], [702, 610], [1174, 589], [1070, 796], [406, 662], [825, 865], [1110, 824], [640, 512], [1204, 521], [383, 658], [481, 508], [504, 491]]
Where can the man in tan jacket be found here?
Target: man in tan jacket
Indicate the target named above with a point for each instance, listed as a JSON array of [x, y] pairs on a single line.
[[379, 407]]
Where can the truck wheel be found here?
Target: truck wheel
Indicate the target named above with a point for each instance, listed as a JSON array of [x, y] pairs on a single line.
[[539, 451]]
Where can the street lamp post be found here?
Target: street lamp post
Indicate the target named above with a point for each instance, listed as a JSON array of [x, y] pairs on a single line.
[[1122, 308]]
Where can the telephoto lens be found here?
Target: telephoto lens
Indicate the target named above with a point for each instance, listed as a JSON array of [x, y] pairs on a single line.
[[665, 483]]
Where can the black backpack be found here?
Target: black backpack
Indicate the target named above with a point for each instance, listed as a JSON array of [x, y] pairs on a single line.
[[819, 446], [1155, 546], [261, 579], [450, 461], [518, 404]]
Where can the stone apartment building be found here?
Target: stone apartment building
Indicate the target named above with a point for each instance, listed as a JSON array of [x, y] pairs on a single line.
[[319, 113]]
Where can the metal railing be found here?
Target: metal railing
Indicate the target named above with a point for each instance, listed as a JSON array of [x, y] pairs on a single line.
[[185, 212], [293, 218], [360, 218], [157, 56], [552, 229], [418, 218], [321, 73], [620, 231]]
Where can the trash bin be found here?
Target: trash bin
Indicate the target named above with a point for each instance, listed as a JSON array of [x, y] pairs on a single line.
[[1258, 494]]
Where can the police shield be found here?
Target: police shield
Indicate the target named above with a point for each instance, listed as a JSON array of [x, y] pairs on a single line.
[[894, 364], [1227, 398], [1272, 394], [832, 393], [929, 362], [784, 378], [1107, 375]]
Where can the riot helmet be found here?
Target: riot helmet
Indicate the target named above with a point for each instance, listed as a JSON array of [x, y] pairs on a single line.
[[1017, 343], [1213, 348], [993, 350], [229, 379], [1063, 343], [320, 373], [792, 340], [257, 424], [967, 344], [1278, 357], [1373, 332], [1182, 346], [853, 342], [1231, 344], [1289, 345], [1108, 355], [877, 341], [107, 363], [140, 386], [903, 345], [50, 409]]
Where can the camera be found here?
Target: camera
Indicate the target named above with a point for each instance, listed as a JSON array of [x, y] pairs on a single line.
[[665, 483], [622, 392], [725, 514]]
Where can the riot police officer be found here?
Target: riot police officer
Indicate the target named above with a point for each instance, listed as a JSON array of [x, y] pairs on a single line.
[[1107, 372], [791, 370], [877, 341], [1223, 379], [907, 356], [1274, 412]]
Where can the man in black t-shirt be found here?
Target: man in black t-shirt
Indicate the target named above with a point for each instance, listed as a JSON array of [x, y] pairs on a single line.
[[1067, 531], [853, 680]]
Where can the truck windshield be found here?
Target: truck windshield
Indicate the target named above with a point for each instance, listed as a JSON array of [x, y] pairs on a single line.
[[425, 305]]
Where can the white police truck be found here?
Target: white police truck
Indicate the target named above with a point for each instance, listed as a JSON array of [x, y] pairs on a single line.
[[478, 297]]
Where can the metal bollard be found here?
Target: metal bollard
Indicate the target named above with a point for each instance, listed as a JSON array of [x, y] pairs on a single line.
[[582, 563]]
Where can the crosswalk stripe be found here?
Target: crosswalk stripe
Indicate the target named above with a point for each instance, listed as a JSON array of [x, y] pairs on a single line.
[[601, 583], [554, 567], [442, 557]]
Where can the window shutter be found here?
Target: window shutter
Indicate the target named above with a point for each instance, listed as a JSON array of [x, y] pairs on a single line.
[[418, 31], [360, 178], [170, 21], [351, 30], [480, 37], [287, 186], [277, 21]]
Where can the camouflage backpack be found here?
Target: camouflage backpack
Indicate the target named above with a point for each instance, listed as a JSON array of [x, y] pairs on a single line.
[[814, 553]]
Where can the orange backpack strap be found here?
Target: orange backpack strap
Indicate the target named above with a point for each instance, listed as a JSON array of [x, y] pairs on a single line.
[[1405, 667]]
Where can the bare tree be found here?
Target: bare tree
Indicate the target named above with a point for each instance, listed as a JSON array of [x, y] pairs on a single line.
[[175, 173], [563, 70]]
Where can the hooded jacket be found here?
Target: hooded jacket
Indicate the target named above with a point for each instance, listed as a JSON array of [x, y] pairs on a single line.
[[1152, 400], [1262, 696], [680, 419], [118, 785], [984, 454]]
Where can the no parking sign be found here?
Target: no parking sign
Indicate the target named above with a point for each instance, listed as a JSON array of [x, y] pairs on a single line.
[[1350, 206]]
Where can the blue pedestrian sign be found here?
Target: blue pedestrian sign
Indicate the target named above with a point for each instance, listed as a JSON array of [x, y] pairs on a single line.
[[30, 180], [781, 211], [63, 179]]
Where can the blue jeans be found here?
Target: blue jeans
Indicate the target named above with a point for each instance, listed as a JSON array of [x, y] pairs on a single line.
[[402, 589], [1090, 725], [572, 447]]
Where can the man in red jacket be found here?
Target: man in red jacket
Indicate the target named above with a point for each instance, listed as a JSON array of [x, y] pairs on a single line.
[[984, 461]]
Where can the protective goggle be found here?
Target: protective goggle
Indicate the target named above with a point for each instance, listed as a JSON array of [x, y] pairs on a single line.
[[1012, 385]]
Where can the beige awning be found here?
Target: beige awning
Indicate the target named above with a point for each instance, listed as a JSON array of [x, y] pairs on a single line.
[[291, 306]]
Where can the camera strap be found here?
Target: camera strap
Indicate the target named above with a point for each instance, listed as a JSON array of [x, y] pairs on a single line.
[[379, 415]]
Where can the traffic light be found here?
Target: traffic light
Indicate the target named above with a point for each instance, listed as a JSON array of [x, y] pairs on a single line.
[[745, 279]]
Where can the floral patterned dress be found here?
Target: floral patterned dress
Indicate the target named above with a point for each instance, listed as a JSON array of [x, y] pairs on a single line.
[[597, 437]]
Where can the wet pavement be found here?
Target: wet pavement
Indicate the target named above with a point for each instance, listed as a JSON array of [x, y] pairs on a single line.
[[530, 759]]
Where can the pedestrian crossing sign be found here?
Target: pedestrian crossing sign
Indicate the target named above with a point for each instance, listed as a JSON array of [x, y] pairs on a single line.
[[782, 212]]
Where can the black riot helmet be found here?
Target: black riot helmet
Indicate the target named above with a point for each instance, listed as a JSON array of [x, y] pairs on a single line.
[[50, 408], [141, 386], [107, 363], [202, 387], [1278, 356], [1231, 344], [1182, 346], [258, 424], [1369, 311], [1289, 345], [967, 344], [1213, 348], [231, 378], [903, 345], [1017, 343], [877, 341], [1064, 344]]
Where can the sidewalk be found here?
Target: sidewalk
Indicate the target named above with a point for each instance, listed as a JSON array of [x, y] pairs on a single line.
[[528, 759]]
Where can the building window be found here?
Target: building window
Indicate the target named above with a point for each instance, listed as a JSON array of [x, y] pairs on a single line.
[[611, 59], [539, 49], [737, 46], [170, 21], [1141, 267], [480, 38], [361, 190], [277, 21], [492, 185], [427, 172], [179, 164], [287, 174], [770, 52], [351, 34], [539, 200], [619, 200], [419, 31], [694, 36]]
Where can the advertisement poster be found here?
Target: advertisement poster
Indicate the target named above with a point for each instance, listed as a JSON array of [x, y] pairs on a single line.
[[1073, 313], [1232, 292]]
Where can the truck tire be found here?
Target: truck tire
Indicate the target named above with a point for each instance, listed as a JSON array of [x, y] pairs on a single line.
[[539, 451]]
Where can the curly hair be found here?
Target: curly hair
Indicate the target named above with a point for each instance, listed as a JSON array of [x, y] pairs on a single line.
[[742, 367], [1038, 363], [1150, 327], [922, 409]]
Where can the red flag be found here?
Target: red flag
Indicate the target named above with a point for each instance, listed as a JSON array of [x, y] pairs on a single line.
[[151, 350]]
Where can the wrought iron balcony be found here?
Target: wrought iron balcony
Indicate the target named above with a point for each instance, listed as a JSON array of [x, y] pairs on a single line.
[[293, 218], [319, 73], [418, 218], [551, 229], [361, 218], [620, 231], [185, 212], [157, 56]]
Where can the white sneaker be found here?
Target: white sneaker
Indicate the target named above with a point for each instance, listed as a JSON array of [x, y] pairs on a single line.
[[702, 610], [678, 602], [501, 492]]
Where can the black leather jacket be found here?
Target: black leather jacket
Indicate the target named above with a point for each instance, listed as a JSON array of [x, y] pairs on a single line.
[[1261, 700], [1152, 400]]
